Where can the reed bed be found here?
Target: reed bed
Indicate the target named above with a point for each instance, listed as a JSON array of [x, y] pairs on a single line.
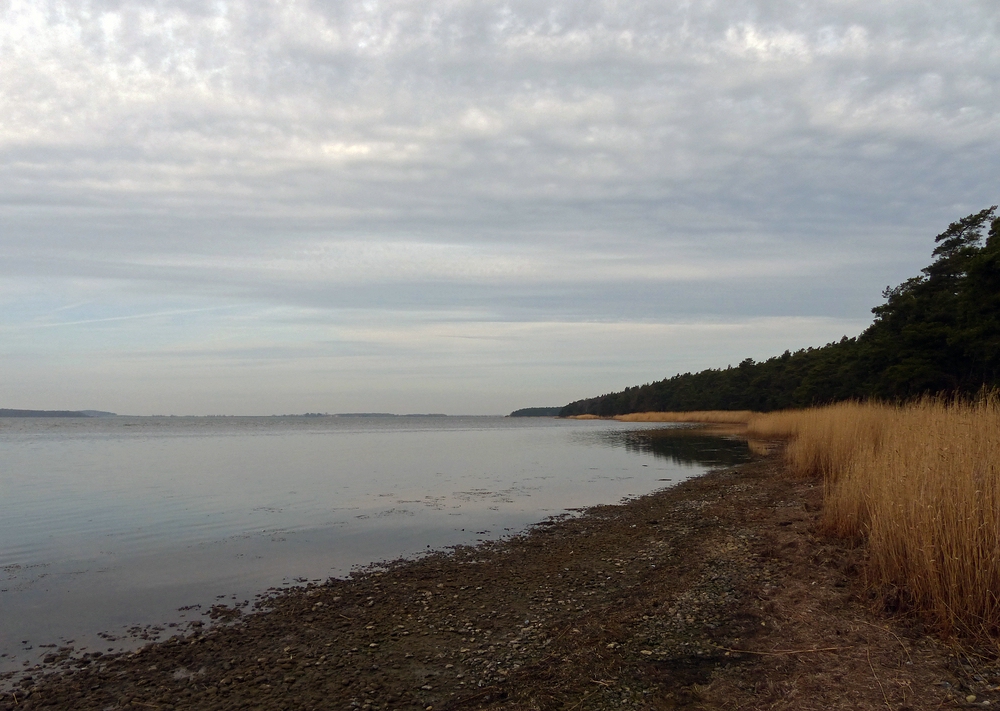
[[920, 484], [725, 417], [823, 440]]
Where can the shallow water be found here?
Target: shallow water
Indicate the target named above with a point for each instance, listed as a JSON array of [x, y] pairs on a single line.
[[107, 524]]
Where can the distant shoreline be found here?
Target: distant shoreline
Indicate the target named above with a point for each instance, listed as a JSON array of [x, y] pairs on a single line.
[[7, 412], [10, 412]]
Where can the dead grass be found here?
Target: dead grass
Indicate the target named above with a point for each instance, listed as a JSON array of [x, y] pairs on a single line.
[[823, 440], [920, 484]]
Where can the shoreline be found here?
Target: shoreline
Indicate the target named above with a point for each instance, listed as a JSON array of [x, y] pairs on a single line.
[[717, 592]]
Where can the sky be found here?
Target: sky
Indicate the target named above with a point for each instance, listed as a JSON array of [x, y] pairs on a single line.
[[465, 206]]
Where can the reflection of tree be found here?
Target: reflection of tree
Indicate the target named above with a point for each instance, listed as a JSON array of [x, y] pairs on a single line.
[[681, 446]]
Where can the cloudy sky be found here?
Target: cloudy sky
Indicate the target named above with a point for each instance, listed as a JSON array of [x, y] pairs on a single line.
[[465, 206]]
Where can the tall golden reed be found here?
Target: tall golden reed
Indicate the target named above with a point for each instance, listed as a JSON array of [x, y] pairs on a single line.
[[921, 484], [824, 439]]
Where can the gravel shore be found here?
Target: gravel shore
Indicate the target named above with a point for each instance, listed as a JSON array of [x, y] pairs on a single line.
[[718, 593]]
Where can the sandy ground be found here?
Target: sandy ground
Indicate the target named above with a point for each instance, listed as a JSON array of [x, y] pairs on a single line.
[[718, 593]]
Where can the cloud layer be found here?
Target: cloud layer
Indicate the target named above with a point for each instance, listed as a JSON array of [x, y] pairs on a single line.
[[453, 169]]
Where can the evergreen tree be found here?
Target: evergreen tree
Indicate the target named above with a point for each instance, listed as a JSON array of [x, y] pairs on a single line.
[[936, 333]]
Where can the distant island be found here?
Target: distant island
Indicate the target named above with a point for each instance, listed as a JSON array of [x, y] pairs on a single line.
[[362, 414], [6, 412], [388, 414], [536, 412]]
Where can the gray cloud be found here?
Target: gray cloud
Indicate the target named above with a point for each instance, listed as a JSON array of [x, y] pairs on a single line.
[[518, 162]]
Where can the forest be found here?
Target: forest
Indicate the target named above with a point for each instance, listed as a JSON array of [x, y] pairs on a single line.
[[937, 333]]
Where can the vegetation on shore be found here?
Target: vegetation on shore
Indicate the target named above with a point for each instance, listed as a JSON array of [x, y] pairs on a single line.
[[908, 455], [936, 333], [920, 485], [536, 412]]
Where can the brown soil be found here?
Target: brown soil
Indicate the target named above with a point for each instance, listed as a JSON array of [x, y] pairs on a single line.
[[718, 593]]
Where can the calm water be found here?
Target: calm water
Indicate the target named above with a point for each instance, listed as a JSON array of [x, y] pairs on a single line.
[[110, 523]]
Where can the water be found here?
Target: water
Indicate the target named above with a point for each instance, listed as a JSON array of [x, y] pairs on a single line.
[[106, 524]]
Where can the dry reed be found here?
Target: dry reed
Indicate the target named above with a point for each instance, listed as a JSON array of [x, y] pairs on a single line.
[[823, 439], [921, 485]]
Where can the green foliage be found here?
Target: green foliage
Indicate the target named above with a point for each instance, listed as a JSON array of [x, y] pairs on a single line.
[[536, 412], [937, 333]]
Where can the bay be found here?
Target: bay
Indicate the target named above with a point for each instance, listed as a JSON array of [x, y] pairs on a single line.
[[110, 526]]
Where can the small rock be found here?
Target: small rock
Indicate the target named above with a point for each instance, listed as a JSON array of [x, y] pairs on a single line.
[[971, 698]]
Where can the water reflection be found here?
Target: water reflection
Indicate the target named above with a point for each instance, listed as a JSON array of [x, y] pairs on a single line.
[[680, 445], [107, 524]]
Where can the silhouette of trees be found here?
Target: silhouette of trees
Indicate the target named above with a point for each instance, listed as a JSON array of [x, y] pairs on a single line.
[[936, 333]]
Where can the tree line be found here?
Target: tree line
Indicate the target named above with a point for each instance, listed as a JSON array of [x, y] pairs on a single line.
[[937, 333]]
